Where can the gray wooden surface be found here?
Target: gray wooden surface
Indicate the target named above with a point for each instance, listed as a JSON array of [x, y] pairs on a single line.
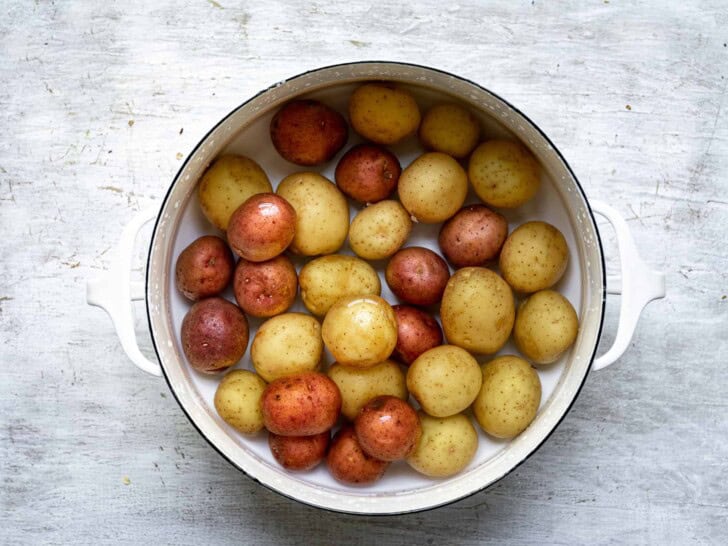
[[99, 104]]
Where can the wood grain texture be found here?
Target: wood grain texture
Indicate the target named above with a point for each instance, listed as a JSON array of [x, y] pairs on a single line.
[[98, 106]]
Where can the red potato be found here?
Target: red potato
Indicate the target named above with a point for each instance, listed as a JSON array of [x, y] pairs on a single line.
[[204, 268], [417, 332], [262, 227], [265, 289], [387, 428], [473, 236], [417, 275], [299, 452], [368, 173], [349, 464]]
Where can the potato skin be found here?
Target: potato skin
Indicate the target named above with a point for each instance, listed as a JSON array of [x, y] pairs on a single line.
[[237, 400], [204, 268], [387, 428], [214, 335], [299, 452], [368, 173], [546, 326], [417, 332], [301, 405], [265, 289], [446, 447], [379, 230], [307, 132], [262, 227], [451, 129], [473, 236], [359, 385], [383, 113], [349, 464], [417, 275]]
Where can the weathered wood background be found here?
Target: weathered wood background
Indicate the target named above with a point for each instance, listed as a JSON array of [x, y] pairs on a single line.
[[98, 105]]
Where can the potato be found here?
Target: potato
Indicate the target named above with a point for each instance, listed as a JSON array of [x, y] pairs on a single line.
[[534, 257], [383, 113], [444, 380], [509, 398], [433, 187], [204, 268], [417, 332], [265, 289], [301, 405], [504, 173], [327, 279], [227, 184], [287, 344], [473, 236], [322, 213], [477, 310], [262, 227], [379, 230], [367, 173], [387, 428], [546, 326], [446, 446], [417, 275], [451, 129], [237, 400], [359, 385], [360, 330], [348, 463], [299, 452], [214, 335], [307, 132]]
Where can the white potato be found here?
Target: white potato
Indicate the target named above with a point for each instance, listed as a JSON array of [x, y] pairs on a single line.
[[237, 400], [446, 446], [451, 129], [379, 230], [383, 113], [359, 385]]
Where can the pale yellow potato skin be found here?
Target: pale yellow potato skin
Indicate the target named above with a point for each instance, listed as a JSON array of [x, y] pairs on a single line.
[[477, 310], [287, 344], [359, 385], [360, 330], [451, 129], [325, 280], [433, 187], [227, 184], [379, 230], [509, 398], [534, 257], [237, 400], [322, 213], [444, 380], [546, 326], [504, 173], [446, 446], [383, 113]]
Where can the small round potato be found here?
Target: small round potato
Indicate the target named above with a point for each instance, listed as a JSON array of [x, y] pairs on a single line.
[[446, 447], [227, 184], [287, 344], [509, 398], [417, 332], [262, 227], [477, 310], [359, 385], [265, 289], [473, 236], [368, 173], [360, 330], [504, 173], [204, 268], [299, 452], [383, 113], [387, 428], [451, 129], [417, 275], [237, 400], [379, 230], [546, 326], [349, 464], [433, 187], [444, 380], [322, 213], [534, 257]]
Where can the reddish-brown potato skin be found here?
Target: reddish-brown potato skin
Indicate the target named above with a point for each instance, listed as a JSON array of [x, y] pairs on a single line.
[[262, 227], [204, 268], [307, 132], [298, 452], [349, 464], [214, 335], [473, 236], [417, 275], [368, 173], [417, 332], [265, 289], [387, 428], [301, 404]]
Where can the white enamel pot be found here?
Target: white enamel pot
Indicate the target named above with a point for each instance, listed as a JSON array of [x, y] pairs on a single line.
[[561, 201]]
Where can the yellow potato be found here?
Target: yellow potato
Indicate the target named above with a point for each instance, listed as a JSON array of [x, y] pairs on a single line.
[[359, 385], [477, 310], [533, 257], [237, 400], [446, 446], [433, 187], [451, 129], [227, 184], [546, 326], [322, 213], [509, 398], [379, 230], [383, 113], [327, 279], [504, 173], [287, 344]]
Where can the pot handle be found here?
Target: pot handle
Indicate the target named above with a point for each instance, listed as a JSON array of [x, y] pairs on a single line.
[[114, 291], [638, 285]]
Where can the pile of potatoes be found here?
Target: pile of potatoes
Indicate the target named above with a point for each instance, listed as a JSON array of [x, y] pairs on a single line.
[[401, 387]]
